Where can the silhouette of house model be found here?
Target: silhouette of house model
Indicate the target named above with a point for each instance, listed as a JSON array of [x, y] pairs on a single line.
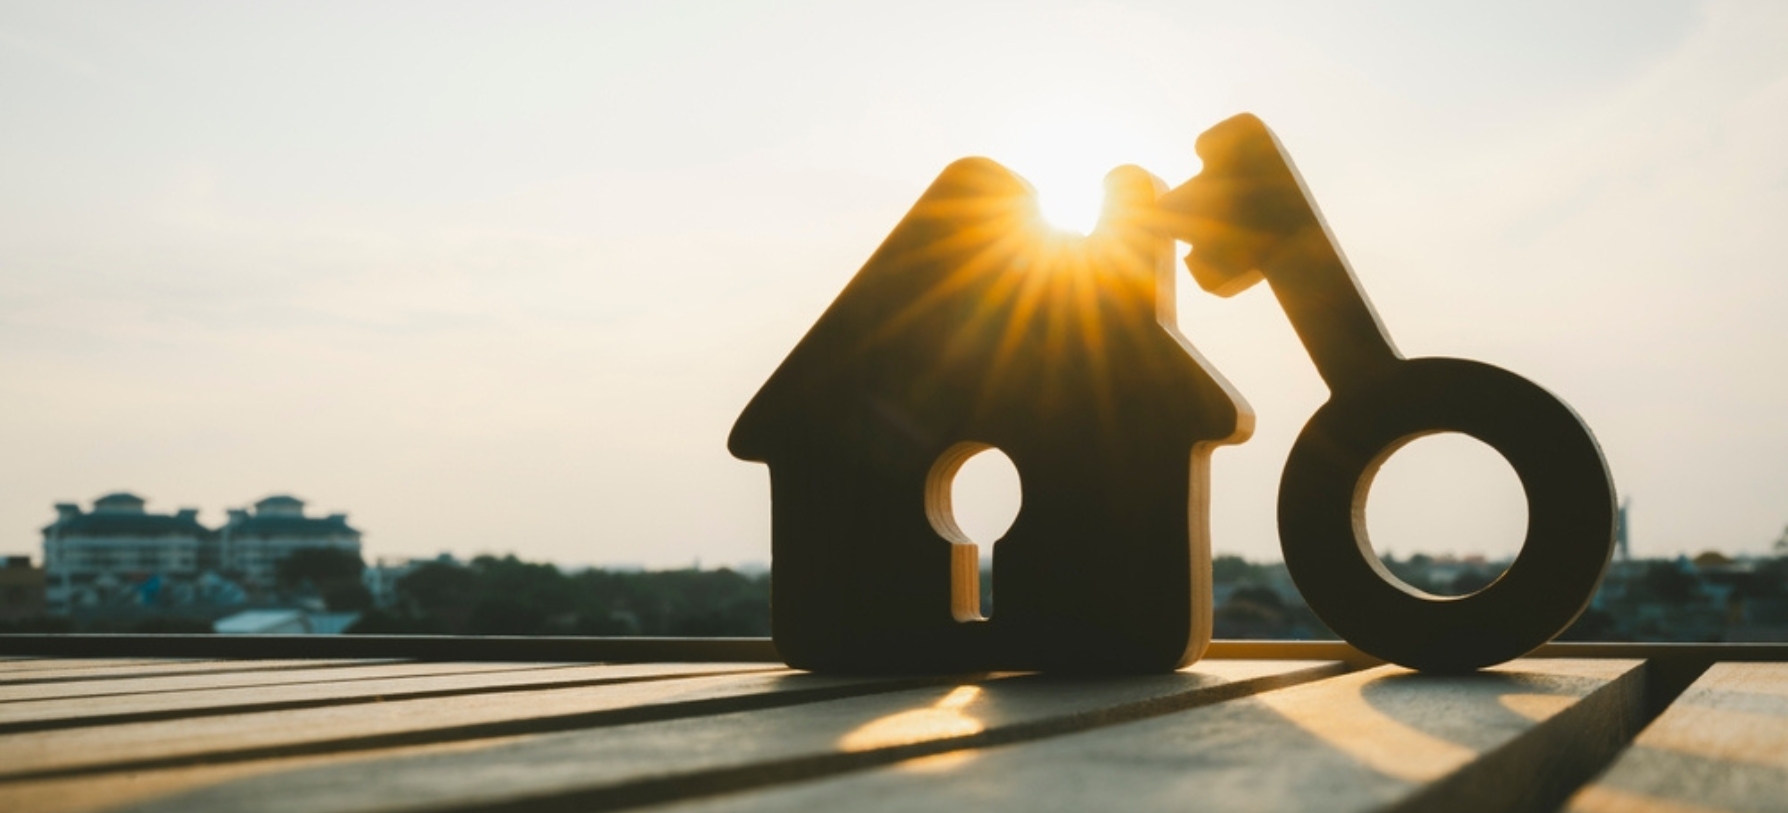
[[976, 325]]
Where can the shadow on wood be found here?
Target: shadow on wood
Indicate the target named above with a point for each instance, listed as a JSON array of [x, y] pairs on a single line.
[[973, 326]]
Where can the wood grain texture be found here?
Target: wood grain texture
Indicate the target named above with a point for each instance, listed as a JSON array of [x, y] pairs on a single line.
[[331, 729], [112, 792], [512, 648], [566, 649], [25, 665], [1249, 216], [167, 667], [209, 681], [1721, 746], [973, 326], [656, 762], [1372, 740], [1227, 734], [43, 715]]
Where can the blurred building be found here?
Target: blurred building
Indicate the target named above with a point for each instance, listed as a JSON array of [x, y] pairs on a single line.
[[21, 589], [285, 622], [253, 543], [121, 554], [382, 576]]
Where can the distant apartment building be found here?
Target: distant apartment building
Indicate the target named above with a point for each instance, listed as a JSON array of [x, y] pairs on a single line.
[[119, 550], [253, 543], [120, 554]]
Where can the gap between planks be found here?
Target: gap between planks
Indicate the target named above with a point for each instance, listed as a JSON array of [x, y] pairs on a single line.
[[1721, 746], [163, 667], [359, 671]]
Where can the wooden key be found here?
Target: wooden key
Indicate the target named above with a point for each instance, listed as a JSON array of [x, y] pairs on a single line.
[[1249, 216]]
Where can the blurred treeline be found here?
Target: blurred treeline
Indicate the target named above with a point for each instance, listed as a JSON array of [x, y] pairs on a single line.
[[507, 596]]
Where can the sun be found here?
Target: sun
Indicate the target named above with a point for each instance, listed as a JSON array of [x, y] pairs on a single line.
[[1072, 203], [1064, 149]]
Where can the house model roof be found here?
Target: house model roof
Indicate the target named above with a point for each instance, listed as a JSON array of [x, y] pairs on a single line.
[[974, 296]]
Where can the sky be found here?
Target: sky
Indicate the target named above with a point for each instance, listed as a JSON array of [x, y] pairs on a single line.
[[498, 277]]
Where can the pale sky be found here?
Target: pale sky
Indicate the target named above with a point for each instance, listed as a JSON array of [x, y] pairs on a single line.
[[498, 277]]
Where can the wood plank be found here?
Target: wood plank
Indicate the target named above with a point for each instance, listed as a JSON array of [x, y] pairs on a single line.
[[156, 683], [86, 794], [1650, 650], [569, 649], [44, 715], [26, 666], [1380, 739], [1721, 746], [206, 681], [242, 737], [168, 667], [1575, 650], [666, 760], [512, 648]]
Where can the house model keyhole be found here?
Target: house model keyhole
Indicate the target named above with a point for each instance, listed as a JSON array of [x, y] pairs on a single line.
[[972, 498]]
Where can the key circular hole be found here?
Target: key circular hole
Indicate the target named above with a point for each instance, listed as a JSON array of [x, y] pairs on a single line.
[[1446, 514]]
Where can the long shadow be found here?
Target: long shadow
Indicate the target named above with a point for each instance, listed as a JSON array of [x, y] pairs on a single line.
[[1714, 749], [780, 691], [1573, 728], [618, 768]]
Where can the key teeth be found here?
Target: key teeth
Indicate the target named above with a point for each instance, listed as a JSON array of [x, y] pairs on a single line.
[[1242, 136], [1245, 202]]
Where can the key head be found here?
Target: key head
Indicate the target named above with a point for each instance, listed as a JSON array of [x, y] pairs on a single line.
[[1243, 211]]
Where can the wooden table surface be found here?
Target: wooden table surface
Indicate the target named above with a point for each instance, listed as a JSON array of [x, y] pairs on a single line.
[[1579, 729]]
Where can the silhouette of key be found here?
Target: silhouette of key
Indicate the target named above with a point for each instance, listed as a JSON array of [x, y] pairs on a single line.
[[1249, 216]]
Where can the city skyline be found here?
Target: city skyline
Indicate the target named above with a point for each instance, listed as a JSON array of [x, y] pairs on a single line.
[[1777, 547]]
